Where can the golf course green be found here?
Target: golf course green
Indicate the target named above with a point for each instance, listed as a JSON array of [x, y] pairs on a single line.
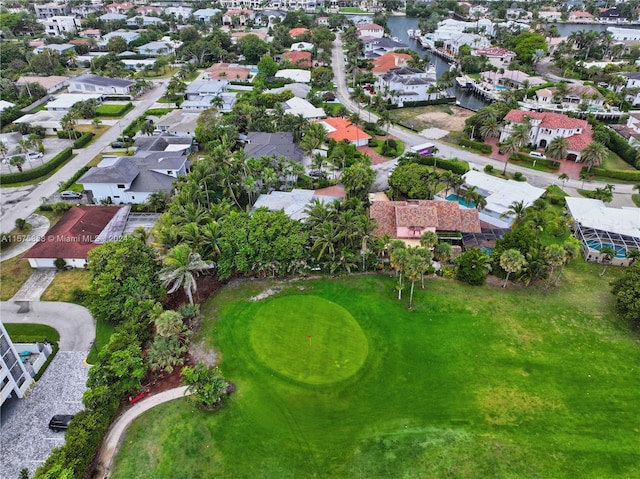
[[336, 378]]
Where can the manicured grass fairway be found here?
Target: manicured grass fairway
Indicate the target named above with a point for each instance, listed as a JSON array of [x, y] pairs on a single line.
[[475, 382]]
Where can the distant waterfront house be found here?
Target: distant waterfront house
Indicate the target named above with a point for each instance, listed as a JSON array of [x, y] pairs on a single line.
[[406, 84], [206, 14], [370, 30], [376, 47]]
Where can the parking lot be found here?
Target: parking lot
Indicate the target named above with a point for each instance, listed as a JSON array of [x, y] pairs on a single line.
[[52, 146], [25, 438]]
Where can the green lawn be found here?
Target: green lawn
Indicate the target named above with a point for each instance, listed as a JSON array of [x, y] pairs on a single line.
[[23, 332], [399, 150], [474, 382]]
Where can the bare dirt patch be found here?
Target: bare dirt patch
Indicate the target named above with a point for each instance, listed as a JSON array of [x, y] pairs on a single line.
[[443, 117]]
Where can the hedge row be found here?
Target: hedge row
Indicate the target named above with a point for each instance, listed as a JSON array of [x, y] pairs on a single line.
[[520, 158], [456, 166], [622, 148], [476, 145], [86, 137], [68, 134], [35, 173], [628, 175], [67, 184]]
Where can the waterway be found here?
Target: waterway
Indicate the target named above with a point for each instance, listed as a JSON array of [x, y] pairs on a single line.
[[399, 26]]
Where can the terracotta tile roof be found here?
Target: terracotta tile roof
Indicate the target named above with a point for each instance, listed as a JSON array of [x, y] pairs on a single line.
[[223, 71], [581, 141], [90, 31], [335, 191], [441, 215], [296, 32], [495, 52], [390, 60], [548, 120], [74, 235], [243, 11], [422, 216], [344, 130], [369, 26], [302, 59]]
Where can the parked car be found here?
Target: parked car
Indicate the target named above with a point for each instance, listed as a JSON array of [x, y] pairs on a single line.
[[535, 154], [34, 156], [70, 195], [60, 422], [118, 144], [316, 173]]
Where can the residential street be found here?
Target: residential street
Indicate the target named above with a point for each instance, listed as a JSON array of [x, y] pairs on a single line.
[[536, 178], [20, 202]]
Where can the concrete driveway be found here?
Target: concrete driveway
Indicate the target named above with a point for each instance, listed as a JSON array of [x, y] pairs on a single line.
[[75, 324], [39, 226], [25, 439]]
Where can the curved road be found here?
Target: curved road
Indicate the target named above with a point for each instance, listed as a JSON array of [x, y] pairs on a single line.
[[537, 178], [112, 441], [25, 200]]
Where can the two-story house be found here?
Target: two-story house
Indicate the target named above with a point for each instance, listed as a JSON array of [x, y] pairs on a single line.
[[406, 84], [370, 30], [49, 10], [59, 26], [545, 126], [205, 94]]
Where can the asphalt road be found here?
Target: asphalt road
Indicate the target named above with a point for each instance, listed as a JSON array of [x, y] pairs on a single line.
[[20, 202], [536, 178]]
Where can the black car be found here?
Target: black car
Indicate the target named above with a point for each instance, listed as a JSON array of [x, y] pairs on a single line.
[[60, 422], [118, 144]]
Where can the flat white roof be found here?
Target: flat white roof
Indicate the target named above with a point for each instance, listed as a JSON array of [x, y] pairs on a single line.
[[67, 100], [500, 194], [299, 76], [594, 214]]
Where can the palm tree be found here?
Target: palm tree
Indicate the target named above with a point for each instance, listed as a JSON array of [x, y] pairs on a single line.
[[96, 122], [147, 128], [3, 149], [558, 149], [512, 261], [17, 161], [443, 252], [520, 133], [428, 239], [593, 154], [314, 137], [564, 178], [398, 258], [516, 210], [414, 268], [490, 128], [181, 266], [509, 147], [554, 256]]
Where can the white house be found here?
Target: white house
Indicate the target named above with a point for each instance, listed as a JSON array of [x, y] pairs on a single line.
[[145, 21], [406, 84], [5, 105], [179, 11], [180, 123], [131, 179], [156, 49], [633, 82], [577, 94], [127, 35], [301, 46], [58, 26], [550, 15], [298, 76], [65, 101], [54, 47], [580, 17], [49, 10], [454, 43], [112, 17], [376, 47], [545, 126], [89, 83], [299, 106], [206, 14], [370, 30], [624, 34], [49, 120]]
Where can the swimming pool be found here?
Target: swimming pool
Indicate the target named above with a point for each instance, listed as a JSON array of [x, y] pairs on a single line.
[[461, 201], [621, 251], [500, 87]]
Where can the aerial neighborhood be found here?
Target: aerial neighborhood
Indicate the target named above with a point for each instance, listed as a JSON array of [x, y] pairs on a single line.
[[319, 238]]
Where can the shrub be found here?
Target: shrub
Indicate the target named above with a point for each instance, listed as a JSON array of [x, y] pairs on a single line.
[[35, 173], [21, 224], [454, 165], [85, 138], [67, 184], [519, 176], [476, 145], [521, 158], [488, 169], [59, 263], [78, 295], [617, 174], [56, 207]]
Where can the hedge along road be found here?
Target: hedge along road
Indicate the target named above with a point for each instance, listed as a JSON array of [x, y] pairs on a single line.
[[22, 206], [537, 178]]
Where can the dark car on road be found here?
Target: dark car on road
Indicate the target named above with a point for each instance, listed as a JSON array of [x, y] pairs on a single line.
[[60, 422], [118, 144]]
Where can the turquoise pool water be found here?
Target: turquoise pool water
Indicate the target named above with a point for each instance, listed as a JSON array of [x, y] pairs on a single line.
[[621, 252], [500, 87], [461, 201]]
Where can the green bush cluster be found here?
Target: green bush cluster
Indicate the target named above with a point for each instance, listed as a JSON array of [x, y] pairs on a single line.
[[83, 140], [113, 110], [628, 175], [476, 145], [454, 165], [622, 148], [35, 173], [58, 207]]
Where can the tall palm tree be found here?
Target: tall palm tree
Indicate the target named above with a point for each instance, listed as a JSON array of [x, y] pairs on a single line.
[[3, 149], [607, 253], [564, 178], [520, 133], [594, 154], [490, 128], [517, 211], [414, 268], [512, 261], [314, 137], [558, 149], [181, 266], [509, 147]]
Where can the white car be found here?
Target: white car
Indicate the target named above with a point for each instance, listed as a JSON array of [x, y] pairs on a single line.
[[35, 156], [535, 154]]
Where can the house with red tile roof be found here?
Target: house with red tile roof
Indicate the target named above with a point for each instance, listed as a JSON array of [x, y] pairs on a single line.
[[390, 60], [545, 126], [118, 7], [296, 32], [411, 219], [80, 230], [301, 59], [226, 71], [239, 15], [340, 129], [580, 17]]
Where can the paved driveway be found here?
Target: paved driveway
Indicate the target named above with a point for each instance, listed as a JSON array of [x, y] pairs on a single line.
[[25, 439]]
